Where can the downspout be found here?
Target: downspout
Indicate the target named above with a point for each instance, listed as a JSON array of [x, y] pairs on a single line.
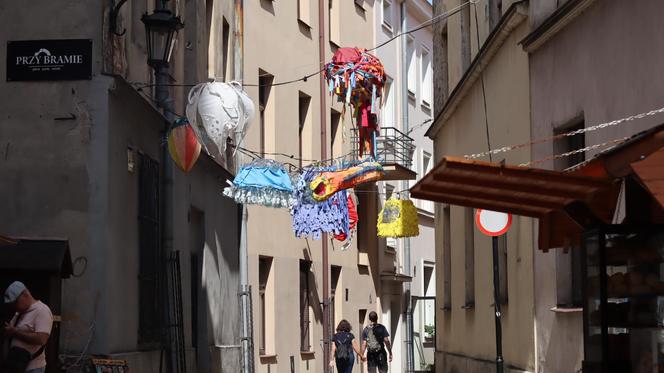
[[245, 289], [410, 361], [323, 154]]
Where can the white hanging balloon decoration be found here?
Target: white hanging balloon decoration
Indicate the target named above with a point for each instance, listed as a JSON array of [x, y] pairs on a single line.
[[217, 111]]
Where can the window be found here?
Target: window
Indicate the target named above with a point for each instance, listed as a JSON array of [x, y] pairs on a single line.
[[391, 241], [465, 38], [387, 14], [196, 219], [427, 77], [335, 274], [429, 291], [210, 35], [426, 167], [264, 298], [569, 261], [411, 65], [303, 109], [226, 49], [494, 12], [469, 233], [149, 260], [334, 22], [264, 83], [304, 11], [447, 258], [335, 135], [389, 104], [305, 307]]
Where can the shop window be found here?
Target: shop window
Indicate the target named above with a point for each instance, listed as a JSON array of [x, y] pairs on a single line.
[[305, 306], [469, 245]]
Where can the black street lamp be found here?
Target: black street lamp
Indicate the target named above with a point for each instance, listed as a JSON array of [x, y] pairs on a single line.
[[161, 28]]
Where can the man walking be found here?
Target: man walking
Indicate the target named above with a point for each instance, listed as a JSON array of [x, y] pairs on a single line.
[[375, 339], [28, 331]]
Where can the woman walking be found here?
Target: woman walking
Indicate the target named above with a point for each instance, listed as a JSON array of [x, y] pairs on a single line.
[[342, 348]]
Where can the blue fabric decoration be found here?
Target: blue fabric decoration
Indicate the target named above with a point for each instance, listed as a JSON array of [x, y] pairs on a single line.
[[311, 218], [263, 182]]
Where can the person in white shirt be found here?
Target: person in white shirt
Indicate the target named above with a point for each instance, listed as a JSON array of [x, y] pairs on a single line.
[[30, 327]]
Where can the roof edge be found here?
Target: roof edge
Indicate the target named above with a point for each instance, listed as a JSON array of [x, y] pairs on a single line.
[[557, 21], [513, 17]]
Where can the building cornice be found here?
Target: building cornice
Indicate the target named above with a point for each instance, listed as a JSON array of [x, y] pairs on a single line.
[[516, 14], [554, 24]]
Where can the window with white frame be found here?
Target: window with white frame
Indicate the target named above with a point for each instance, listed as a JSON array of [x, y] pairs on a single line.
[[387, 14], [427, 77], [411, 65], [389, 104], [427, 165]]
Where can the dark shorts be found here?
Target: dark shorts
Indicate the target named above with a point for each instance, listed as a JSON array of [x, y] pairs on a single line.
[[377, 360]]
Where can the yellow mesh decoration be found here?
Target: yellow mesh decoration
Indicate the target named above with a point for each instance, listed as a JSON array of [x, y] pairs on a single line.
[[398, 218]]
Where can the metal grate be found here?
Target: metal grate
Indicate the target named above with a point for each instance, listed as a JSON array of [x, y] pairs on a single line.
[[175, 327], [392, 147]]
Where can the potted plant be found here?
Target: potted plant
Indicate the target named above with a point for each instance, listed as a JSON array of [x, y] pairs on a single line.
[[429, 332]]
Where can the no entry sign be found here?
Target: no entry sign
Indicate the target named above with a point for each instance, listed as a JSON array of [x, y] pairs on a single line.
[[493, 223]]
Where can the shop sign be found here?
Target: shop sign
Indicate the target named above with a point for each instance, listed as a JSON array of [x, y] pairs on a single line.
[[32, 60]]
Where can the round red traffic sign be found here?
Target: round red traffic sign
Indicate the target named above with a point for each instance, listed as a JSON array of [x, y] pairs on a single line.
[[492, 223]]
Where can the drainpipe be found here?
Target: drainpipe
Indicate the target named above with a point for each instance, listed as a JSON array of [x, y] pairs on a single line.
[[410, 361], [323, 154], [245, 289]]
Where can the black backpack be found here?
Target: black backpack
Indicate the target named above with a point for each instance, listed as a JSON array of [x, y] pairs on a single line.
[[344, 346]]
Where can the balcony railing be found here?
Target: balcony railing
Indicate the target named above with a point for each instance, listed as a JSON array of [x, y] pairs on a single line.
[[393, 147]]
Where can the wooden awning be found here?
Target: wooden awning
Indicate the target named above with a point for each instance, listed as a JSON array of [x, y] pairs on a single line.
[[564, 202]]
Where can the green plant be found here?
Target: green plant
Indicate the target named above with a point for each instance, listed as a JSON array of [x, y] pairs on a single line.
[[430, 330]]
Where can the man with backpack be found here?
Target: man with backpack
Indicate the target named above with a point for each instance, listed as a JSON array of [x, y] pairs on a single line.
[[375, 339]]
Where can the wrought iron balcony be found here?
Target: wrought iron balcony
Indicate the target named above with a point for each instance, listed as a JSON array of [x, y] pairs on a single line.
[[394, 150]]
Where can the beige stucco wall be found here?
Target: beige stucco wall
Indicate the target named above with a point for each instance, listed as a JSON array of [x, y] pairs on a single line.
[[470, 332], [276, 42]]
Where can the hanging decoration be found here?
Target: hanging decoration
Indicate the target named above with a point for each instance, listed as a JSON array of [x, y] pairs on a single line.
[[262, 182], [358, 78], [183, 145], [353, 219], [326, 184], [397, 219], [312, 218], [218, 111]]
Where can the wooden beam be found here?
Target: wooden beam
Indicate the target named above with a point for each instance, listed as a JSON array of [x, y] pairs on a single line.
[[513, 208], [503, 195]]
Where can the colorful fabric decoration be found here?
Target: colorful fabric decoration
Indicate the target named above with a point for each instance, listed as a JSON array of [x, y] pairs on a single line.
[[398, 218], [328, 183], [358, 78], [183, 145], [263, 182], [353, 219], [218, 111], [312, 218]]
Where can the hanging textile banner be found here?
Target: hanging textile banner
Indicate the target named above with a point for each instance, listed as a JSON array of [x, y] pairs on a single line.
[[327, 183], [183, 145], [312, 218], [353, 219], [218, 111], [358, 78], [262, 182], [397, 219]]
